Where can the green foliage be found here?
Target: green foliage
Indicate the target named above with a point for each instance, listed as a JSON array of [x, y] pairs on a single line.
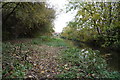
[[85, 63], [96, 22], [15, 56], [19, 71], [26, 19], [36, 41], [78, 63], [45, 38], [15, 64], [57, 42], [41, 39], [112, 37]]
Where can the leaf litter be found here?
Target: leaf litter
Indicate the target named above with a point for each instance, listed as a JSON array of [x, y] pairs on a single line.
[[45, 62]]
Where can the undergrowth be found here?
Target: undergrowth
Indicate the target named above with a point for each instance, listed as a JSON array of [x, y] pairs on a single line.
[[56, 42], [14, 60], [77, 63], [84, 63]]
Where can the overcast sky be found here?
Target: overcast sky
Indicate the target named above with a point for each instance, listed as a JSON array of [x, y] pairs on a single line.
[[62, 17]]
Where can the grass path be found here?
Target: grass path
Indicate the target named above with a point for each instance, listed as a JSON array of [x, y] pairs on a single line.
[[42, 56]]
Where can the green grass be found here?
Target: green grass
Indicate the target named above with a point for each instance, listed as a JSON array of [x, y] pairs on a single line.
[[56, 42]]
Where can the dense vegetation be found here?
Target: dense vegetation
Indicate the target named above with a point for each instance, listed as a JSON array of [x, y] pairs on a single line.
[[23, 20], [73, 62], [96, 23], [85, 63], [29, 50], [14, 62], [26, 19]]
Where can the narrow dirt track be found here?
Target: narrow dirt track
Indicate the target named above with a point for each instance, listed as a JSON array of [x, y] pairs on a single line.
[[45, 61]]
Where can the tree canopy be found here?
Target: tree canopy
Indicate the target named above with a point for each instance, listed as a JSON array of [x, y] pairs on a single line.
[[95, 21], [26, 19]]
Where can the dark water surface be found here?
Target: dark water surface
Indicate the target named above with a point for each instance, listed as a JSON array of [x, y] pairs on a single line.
[[112, 57]]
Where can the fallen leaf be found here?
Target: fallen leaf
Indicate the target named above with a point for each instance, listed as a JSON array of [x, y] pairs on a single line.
[[53, 71], [42, 72], [66, 65], [66, 68], [48, 75], [30, 76]]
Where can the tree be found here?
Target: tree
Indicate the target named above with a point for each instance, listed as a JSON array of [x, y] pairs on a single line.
[[26, 19], [96, 21]]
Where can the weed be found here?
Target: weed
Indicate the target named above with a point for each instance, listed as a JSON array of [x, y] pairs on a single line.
[[85, 63], [56, 42], [14, 63]]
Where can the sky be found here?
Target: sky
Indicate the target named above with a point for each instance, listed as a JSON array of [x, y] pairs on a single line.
[[62, 17]]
